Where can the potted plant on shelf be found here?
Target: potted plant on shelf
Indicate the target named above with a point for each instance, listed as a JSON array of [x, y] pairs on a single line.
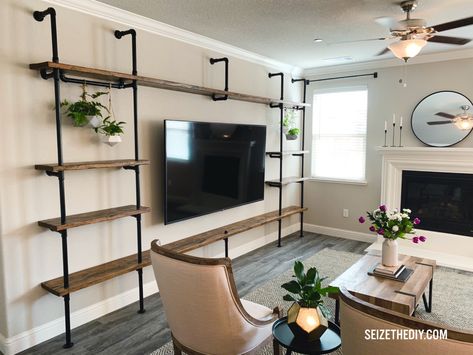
[[307, 317], [288, 123], [111, 130], [392, 225], [85, 111]]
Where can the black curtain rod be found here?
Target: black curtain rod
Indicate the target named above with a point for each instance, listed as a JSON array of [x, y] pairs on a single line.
[[374, 75]]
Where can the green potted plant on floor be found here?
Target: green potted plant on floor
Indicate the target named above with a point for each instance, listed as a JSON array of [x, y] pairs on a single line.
[[85, 111], [111, 130], [307, 317], [288, 123]]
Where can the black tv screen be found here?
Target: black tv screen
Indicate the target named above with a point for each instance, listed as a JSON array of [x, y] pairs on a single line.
[[211, 167]]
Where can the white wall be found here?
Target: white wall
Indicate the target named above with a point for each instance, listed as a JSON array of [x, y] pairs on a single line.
[[385, 97], [32, 254]]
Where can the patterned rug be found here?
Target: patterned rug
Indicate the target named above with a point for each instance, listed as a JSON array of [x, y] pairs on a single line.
[[451, 303]]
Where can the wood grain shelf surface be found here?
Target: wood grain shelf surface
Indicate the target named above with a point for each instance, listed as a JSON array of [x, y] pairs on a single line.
[[82, 219], [91, 165], [112, 76], [277, 154], [100, 273], [202, 239], [286, 181], [96, 274]]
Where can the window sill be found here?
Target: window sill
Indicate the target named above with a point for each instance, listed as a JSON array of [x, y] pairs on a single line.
[[340, 181]]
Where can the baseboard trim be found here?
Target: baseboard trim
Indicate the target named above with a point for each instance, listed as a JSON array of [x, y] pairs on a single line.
[[340, 233], [37, 335]]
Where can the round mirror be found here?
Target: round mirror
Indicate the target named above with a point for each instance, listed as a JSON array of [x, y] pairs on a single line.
[[442, 119]]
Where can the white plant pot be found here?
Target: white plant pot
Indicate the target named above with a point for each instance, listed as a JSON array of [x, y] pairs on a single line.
[[112, 140], [94, 121], [389, 252]]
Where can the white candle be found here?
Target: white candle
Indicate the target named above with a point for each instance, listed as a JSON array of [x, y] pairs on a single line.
[[400, 123], [394, 118], [385, 126]]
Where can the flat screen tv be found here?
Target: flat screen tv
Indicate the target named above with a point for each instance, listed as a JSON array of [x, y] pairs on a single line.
[[211, 167]]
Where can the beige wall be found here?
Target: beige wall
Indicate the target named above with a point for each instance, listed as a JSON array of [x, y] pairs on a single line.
[[385, 97], [32, 254]]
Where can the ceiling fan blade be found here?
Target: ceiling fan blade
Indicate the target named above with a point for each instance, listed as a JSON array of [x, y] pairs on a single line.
[[390, 22], [454, 24], [445, 115], [449, 40], [361, 40], [384, 51], [434, 123]]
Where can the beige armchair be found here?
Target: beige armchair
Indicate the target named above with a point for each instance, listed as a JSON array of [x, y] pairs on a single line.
[[358, 317], [203, 309]]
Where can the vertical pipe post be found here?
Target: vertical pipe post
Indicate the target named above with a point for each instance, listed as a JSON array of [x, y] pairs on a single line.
[[118, 35], [281, 127], [39, 16]]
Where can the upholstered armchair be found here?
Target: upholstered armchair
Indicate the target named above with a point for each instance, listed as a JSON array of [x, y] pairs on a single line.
[[203, 309], [358, 317]]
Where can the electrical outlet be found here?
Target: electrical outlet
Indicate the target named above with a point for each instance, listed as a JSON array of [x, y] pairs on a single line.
[[345, 212]]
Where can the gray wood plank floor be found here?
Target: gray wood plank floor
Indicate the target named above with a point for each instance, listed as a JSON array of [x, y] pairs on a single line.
[[126, 332]]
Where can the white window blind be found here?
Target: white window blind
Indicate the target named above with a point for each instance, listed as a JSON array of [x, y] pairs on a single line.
[[339, 135]]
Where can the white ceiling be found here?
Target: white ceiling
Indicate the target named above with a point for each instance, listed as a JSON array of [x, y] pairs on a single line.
[[284, 29]]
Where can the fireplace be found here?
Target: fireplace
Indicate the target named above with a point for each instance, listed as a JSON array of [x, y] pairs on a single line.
[[443, 201]]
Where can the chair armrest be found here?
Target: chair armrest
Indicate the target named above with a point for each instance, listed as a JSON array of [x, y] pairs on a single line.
[[274, 316]]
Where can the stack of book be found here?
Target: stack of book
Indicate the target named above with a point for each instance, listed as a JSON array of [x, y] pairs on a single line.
[[389, 272]]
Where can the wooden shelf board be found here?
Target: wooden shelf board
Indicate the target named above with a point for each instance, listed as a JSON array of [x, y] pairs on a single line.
[[91, 165], [97, 274], [202, 239], [100, 273], [277, 154], [286, 181], [82, 219], [106, 75]]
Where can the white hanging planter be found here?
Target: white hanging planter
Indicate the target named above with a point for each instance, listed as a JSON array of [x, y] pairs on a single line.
[[94, 121], [111, 140]]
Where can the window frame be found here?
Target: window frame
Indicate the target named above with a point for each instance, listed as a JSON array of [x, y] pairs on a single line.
[[339, 89]]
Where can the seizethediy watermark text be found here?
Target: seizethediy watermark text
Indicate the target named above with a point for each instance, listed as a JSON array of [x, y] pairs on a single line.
[[405, 334]]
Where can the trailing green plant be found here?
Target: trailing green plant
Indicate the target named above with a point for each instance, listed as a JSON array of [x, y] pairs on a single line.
[[110, 127], [294, 131], [288, 119], [307, 289], [79, 110]]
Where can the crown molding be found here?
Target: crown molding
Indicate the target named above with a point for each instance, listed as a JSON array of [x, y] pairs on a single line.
[[123, 17], [387, 63]]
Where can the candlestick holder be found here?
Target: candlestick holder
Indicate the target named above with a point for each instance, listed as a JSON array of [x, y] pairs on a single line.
[[394, 127], [385, 138], [400, 136]]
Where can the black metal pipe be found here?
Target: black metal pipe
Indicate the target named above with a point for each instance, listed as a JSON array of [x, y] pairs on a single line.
[[282, 82], [39, 16], [218, 60], [66, 79], [304, 94], [119, 34], [374, 75], [67, 313], [226, 247]]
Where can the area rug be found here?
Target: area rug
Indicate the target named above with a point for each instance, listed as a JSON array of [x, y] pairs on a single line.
[[451, 303]]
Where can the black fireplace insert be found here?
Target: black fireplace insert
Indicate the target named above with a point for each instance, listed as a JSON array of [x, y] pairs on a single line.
[[443, 201]]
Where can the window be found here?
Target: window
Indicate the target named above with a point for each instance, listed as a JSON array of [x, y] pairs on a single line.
[[339, 135]]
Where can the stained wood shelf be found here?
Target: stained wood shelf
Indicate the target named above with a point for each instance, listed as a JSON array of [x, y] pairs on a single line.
[[286, 181], [297, 153], [100, 273], [112, 76], [96, 274], [54, 168], [82, 219]]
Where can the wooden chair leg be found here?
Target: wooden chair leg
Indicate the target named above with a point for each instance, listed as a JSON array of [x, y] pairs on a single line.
[[275, 347], [177, 351]]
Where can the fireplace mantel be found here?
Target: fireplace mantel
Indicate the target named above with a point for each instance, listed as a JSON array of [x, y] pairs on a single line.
[[448, 249]]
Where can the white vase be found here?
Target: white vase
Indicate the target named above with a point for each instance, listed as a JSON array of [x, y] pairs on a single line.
[[389, 253], [94, 121], [112, 140]]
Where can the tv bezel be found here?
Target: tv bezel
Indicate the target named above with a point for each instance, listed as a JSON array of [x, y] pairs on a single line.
[[166, 222]]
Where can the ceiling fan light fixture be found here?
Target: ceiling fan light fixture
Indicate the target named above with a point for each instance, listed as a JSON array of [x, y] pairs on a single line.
[[407, 48], [463, 122]]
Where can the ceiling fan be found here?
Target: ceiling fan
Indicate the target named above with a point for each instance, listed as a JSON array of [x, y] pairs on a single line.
[[463, 120], [413, 34]]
